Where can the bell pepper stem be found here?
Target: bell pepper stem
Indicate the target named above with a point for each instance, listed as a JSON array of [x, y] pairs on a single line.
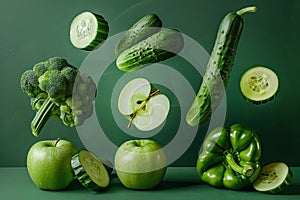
[[246, 170]]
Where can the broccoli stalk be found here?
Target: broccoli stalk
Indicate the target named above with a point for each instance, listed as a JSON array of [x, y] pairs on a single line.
[[42, 116]]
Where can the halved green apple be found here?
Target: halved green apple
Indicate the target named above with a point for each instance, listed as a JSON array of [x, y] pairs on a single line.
[[145, 106]]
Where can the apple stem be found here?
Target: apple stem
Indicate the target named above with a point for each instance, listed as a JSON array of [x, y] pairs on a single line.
[[154, 93], [132, 116], [57, 141], [131, 119]]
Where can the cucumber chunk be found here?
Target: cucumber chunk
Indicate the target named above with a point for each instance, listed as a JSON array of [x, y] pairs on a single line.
[[88, 30], [259, 85], [273, 178], [90, 171]]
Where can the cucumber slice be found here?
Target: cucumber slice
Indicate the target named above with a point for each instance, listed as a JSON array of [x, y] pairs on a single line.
[[273, 178], [90, 171], [88, 30], [259, 85]]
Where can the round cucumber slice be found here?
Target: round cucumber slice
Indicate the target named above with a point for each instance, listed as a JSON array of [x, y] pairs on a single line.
[[259, 84], [88, 30], [90, 171], [273, 178]]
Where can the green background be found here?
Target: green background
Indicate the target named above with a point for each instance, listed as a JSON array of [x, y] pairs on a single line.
[[34, 30]]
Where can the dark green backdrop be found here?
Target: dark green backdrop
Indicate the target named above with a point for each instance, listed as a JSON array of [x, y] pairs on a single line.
[[34, 30]]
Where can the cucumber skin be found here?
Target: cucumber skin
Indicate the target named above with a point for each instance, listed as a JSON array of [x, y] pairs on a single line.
[[138, 32], [82, 176], [102, 33], [218, 70], [160, 46], [261, 101], [285, 184]]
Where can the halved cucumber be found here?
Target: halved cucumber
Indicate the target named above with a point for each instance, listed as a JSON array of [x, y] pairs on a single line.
[[273, 178], [88, 30], [259, 84], [90, 171]]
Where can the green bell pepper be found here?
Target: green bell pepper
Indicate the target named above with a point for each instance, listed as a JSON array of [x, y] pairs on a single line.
[[230, 157]]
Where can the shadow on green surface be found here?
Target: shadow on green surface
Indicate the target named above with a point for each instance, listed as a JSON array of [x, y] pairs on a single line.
[[75, 185], [292, 190], [164, 185], [169, 185]]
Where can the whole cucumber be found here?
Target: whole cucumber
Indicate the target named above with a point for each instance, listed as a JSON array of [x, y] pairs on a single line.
[[143, 28], [218, 68], [158, 47]]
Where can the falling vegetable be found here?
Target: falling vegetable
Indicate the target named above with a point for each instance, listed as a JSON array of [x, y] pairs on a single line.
[[58, 90], [230, 157], [218, 68]]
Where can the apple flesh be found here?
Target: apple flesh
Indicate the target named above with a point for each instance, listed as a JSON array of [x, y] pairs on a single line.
[[140, 164], [49, 164], [143, 105]]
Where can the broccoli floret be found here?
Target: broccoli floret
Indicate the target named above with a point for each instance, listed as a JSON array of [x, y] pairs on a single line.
[[74, 102], [66, 109], [38, 101], [75, 112], [86, 87], [56, 63], [71, 110], [55, 84], [87, 110], [30, 84], [58, 90], [77, 116], [69, 119], [55, 112], [39, 68], [70, 73]]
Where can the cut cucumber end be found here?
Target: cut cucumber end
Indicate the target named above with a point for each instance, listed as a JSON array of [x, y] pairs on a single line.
[[90, 171], [88, 30], [273, 178], [259, 85]]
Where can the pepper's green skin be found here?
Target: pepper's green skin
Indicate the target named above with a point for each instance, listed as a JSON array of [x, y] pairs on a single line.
[[230, 157], [218, 68], [158, 47], [142, 29]]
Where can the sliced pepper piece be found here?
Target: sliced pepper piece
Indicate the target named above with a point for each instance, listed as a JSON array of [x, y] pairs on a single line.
[[230, 157]]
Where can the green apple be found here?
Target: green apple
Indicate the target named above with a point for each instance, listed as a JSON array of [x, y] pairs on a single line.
[[49, 164], [140, 164], [145, 106]]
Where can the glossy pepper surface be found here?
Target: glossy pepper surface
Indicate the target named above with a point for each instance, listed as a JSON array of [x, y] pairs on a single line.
[[230, 157]]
